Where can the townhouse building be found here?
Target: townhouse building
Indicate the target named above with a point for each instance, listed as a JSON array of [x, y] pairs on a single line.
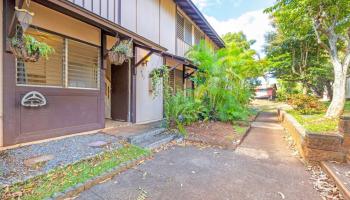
[[80, 87]]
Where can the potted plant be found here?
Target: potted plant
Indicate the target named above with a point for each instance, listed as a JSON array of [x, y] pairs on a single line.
[[121, 51], [28, 48]]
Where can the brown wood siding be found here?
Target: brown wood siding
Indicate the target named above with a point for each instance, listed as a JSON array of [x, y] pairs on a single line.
[[67, 111]]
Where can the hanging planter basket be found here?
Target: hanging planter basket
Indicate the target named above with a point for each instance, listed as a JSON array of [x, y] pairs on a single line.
[[27, 48], [21, 53], [120, 52], [116, 58], [19, 50]]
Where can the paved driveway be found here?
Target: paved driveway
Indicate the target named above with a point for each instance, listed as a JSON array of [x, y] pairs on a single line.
[[261, 168]]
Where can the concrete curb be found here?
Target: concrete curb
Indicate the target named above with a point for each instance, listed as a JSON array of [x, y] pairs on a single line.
[[80, 187], [338, 182]]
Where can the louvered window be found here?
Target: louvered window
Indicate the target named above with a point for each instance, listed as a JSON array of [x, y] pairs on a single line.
[[82, 65], [188, 32], [73, 64], [45, 72], [178, 80], [179, 26], [197, 36], [172, 79]]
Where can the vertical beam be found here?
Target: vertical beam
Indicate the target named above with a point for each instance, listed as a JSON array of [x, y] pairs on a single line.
[[103, 60], [1, 74], [9, 80], [133, 86], [183, 74]]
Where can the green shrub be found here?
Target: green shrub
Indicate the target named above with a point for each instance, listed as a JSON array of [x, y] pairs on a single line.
[[181, 109], [305, 104]]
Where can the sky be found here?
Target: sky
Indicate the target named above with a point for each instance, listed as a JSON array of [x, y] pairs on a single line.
[[238, 15]]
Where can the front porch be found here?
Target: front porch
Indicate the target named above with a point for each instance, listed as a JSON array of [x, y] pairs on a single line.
[[22, 163]]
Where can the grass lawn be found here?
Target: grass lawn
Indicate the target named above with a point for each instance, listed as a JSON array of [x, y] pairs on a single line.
[[317, 123], [60, 179]]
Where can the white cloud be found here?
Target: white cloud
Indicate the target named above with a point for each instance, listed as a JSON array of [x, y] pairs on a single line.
[[201, 3], [254, 24]]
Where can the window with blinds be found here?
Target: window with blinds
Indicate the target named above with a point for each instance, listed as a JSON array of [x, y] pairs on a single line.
[[73, 64], [179, 26], [172, 80], [188, 32], [45, 72], [83, 61]]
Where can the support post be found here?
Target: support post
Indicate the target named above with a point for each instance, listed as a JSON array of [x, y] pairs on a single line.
[[102, 76], [133, 86]]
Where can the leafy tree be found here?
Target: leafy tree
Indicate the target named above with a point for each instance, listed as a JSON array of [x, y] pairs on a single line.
[[330, 21], [299, 59], [223, 78]]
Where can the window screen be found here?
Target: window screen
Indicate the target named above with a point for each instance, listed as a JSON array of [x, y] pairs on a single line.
[[83, 61], [179, 26], [188, 32], [45, 72], [197, 36]]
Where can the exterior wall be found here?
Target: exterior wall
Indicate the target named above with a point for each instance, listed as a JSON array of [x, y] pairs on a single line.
[[148, 107], [128, 14], [152, 19], [68, 110], [148, 19], [168, 25], [66, 25], [1, 74]]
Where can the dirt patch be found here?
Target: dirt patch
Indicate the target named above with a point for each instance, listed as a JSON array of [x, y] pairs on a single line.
[[226, 135]]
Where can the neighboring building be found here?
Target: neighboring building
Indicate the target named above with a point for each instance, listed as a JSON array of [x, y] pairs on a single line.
[[266, 92], [81, 87]]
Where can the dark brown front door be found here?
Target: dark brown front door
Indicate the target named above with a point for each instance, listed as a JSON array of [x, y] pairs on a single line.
[[120, 92]]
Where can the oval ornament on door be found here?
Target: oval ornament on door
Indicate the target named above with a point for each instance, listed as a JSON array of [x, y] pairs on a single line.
[[33, 99]]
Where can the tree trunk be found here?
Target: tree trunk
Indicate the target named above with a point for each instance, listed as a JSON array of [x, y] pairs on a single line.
[[336, 107]]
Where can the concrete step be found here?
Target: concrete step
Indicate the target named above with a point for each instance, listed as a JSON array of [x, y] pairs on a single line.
[[139, 138], [158, 140], [340, 173]]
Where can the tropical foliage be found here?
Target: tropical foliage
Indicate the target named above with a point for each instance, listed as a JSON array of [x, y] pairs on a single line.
[[312, 45], [223, 77], [223, 83]]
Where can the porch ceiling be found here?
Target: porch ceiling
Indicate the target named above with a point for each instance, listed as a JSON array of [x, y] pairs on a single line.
[[75, 11]]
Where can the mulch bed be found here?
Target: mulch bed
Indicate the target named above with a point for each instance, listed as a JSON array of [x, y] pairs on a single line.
[[222, 134]]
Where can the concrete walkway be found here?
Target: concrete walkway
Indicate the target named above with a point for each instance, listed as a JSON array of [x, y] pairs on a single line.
[[261, 168]]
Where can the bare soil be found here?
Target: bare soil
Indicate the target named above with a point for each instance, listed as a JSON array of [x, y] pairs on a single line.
[[225, 135]]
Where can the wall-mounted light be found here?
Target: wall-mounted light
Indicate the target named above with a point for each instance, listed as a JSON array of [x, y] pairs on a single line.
[[145, 62]]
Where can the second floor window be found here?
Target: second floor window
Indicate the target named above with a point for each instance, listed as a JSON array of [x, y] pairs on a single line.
[[188, 32], [180, 26]]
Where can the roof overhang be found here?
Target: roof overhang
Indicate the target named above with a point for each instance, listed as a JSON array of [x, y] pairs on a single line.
[[186, 62], [75, 11], [193, 12]]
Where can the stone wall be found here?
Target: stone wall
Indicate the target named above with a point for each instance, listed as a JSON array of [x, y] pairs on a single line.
[[312, 146]]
